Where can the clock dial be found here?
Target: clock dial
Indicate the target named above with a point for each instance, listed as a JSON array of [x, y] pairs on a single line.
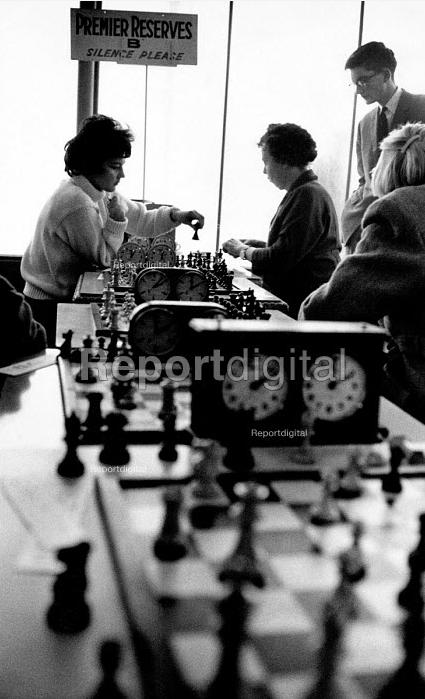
[[152, 285], [161, 253], [192, 286], [131, 252], [261, 387], [154, 331], [336, 390]]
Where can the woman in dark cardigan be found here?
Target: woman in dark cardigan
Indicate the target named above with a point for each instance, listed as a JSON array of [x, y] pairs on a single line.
[[303, 246]]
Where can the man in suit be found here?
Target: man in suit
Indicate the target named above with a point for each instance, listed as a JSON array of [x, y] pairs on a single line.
[[372, 69]]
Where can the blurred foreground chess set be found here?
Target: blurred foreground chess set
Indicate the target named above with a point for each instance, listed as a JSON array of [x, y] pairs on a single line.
[[266, 529]]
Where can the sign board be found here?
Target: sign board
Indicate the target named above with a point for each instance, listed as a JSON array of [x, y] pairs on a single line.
[[146, 38]]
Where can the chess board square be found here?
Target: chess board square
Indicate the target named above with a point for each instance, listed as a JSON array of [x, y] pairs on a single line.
[[215, 544], [371, 647], [298, 492], [190, 577], [372, 683], [282, 653], [297, 686], [198, 656], [305, 571], [279, 542], [277, 611], [276, 516], [291, 685], [191, 614]]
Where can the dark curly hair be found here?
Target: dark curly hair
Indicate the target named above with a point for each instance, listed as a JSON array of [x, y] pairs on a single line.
[[289, 144], [99, 139], [373, 56]]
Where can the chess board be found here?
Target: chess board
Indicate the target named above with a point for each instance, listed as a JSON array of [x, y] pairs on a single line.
[[144, 424], [299, 562]]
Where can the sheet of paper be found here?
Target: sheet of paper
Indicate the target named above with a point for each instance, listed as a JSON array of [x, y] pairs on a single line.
[[24, 366]]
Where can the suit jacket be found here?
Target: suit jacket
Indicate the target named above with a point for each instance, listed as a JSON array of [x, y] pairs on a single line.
[[410, 108], [303, 244]]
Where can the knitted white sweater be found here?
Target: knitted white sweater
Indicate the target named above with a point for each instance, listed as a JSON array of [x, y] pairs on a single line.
[[74, 233]]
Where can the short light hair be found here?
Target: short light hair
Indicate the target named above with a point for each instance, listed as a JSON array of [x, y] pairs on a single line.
[[402, 160]]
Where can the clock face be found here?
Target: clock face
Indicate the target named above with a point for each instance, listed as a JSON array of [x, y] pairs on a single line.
[[161, 253], [337, 393], [131, 252], [192, 286], [152, 285], [154, 331], [260, 387]]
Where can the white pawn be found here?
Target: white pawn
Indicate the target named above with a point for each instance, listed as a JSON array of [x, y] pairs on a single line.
[[327, 511]]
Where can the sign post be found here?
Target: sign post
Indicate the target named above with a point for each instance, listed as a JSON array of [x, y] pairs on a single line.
[[144, 38]]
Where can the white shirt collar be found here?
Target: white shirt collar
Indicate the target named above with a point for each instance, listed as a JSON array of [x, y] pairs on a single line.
[[392, 105]]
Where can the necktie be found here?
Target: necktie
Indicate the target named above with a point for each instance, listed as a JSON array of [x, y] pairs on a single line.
[[382, 125]]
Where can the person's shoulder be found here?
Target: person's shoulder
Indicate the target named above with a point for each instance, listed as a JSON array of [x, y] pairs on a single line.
[[403, 201], [409, 99]]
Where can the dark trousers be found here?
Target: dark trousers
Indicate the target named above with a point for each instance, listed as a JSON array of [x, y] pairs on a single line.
[[45, 312]]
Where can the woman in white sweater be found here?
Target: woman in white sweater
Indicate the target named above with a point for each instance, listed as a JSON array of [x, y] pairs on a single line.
[[83, 223]]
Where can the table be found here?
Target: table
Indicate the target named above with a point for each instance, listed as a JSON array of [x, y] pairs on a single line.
[[35, 661]]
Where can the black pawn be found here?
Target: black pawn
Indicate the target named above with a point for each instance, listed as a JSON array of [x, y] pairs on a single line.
[[109, 659], [407, 681], [94, 420], [66, 346], [391, 482], [242, 566], [86, 373], [115, 452], [168, 415], [71, 466], [170, 544], [69, 612], [237, 438], [234, 611]]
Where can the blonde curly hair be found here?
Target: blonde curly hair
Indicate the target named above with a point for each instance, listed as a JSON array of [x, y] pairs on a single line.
[[402, 159]]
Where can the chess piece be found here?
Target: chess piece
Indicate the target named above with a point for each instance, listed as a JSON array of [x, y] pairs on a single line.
[[208, 499], [352, 559], [304, 454], [391, 482], [66, 346], [94, 420], [71, 466], [170, 545], [410, 597], [114, 451], [86, 373], [112, 347], [408, 681], [238, 455], [168, 415], [350, 485], [227, 682], [337, 612], [242, 566], [327, 511], [69, 612], [109, 659]]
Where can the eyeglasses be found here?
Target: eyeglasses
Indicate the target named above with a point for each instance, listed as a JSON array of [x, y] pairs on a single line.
[[363, 81]]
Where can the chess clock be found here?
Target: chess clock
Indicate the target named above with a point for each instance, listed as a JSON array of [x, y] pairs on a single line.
[[161, 253], [160, 328], [286, 377], [173, 283], [132, 252]]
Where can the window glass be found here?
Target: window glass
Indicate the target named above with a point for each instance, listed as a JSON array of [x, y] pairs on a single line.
[[38, 87]]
